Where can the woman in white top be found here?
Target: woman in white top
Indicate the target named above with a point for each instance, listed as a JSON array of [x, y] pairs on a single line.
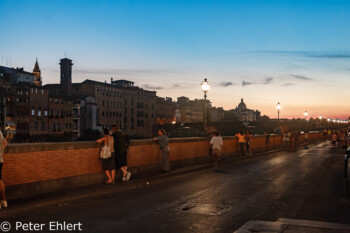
[[108, 164], [216, 142]]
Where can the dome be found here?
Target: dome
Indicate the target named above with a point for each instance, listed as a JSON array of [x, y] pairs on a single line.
[[242, 105]]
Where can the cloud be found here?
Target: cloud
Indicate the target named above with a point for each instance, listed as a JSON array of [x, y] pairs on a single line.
[[151, 87], [312, 54], [245, 83], [300, 77], [226, 84], [177, 85], [288, 84], [268, 80], [127, 71]]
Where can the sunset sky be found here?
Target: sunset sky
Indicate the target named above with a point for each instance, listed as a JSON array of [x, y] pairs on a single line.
[[293, 52]]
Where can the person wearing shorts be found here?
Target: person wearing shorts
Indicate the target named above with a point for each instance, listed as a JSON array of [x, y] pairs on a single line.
[[216, 142], [121, 152]]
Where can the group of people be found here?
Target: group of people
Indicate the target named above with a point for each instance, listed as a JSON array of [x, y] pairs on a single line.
[[342, 137], [3, 144], [245, 140], [291, 138], [116, 144]]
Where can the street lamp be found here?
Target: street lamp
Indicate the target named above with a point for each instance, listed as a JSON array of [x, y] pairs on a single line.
[[205, 88], [278, 109], [305, 114]]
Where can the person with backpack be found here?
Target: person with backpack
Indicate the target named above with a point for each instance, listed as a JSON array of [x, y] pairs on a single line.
[[108, 156]]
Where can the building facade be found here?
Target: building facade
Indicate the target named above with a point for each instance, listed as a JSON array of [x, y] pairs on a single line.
[[244, 114]]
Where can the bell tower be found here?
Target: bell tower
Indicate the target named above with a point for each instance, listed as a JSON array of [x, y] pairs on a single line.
[[66, 76], [37, 74]]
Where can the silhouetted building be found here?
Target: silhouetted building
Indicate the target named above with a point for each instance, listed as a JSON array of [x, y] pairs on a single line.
[[37, 74], [66, 76], [244, 114], [165, 111]]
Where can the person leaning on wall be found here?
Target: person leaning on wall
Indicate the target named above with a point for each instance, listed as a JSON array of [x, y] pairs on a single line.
[[164, 147], [3, 144]]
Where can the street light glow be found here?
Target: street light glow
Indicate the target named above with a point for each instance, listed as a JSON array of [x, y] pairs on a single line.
[[205, 86], [278, 106]]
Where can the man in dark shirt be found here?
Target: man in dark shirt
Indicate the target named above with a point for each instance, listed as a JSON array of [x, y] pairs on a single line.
[[121, 145]]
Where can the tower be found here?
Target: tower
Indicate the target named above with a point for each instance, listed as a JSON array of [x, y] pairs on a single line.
[[66, 76], [37, 73]]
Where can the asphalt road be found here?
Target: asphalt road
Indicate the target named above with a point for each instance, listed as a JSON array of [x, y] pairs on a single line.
[[305, 185]]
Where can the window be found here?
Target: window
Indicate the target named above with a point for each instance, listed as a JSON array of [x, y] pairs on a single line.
[[42, 91], [33, 112], [45, 113], [36, 90], [39, 113], [35, 126], [43, 126]]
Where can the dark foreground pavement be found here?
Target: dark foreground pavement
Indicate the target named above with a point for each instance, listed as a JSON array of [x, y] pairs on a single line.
[[307, 185]]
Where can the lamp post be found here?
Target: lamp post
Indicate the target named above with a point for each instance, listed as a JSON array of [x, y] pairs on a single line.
[[305, 114], [278, 110], [205, 88]]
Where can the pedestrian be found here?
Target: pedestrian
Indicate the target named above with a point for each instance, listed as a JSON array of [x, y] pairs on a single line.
[[248, 142], [286, 140], [241, 141], [343, 139], [164, 147], [216, 142], [3, 144], [108, 156], [306, 138], [121, 145], [334, 139], [292, 141], [267, 140]]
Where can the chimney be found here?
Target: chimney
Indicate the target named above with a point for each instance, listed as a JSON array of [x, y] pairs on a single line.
[[111, 80]]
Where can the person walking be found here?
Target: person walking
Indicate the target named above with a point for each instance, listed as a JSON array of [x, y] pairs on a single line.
[[3, 144], [248, 142], [108, 163], [267, 140], [241, 141], [334, 139], [164, 147], [216, 142], [121, 145]]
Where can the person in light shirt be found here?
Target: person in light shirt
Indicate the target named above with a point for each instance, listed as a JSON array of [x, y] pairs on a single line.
[[216, 142]]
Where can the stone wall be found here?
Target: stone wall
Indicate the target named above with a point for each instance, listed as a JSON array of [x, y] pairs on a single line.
[[37, 168]]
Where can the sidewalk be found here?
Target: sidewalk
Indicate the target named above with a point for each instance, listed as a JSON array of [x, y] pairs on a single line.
[[101, 189], [283, 225]]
